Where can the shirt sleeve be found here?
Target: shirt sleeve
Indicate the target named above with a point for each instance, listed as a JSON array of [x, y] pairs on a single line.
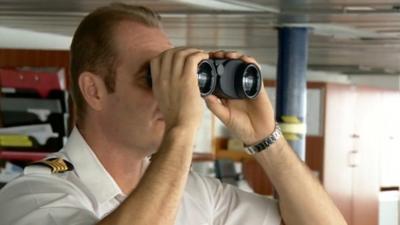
[[233, 206], [33, 200]]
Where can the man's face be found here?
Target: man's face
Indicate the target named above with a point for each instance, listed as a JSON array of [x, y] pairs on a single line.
[[131, 115]]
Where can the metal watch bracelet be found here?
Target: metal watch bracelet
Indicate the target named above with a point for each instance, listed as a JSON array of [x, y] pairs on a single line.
[[266, 142]]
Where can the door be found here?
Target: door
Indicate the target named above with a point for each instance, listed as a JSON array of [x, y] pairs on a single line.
[[339, 149], [367, 141]]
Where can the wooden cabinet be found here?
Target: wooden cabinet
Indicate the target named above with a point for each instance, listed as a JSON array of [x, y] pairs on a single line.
[[338, 146], [357, 129]]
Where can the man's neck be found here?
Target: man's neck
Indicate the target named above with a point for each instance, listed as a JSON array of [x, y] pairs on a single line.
[[123, 165]]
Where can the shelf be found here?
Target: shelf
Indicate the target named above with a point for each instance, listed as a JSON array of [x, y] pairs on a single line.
[[233, 155], [222, 154], [203, 157], [22, 156]]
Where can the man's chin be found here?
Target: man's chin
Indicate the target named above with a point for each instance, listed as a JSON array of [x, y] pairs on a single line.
[[156, 142], [153, 152]]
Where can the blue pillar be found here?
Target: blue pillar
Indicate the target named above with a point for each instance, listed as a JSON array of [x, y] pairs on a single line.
[[291, 91]]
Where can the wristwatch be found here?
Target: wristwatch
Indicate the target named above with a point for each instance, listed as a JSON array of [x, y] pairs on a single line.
[[266, 143]]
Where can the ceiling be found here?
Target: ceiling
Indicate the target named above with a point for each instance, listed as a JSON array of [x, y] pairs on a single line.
[[346, 36]]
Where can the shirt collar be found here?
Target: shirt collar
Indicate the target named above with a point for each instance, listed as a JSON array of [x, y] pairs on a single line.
[[89, 169]]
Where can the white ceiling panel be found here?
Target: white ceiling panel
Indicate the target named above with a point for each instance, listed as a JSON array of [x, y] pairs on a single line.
[[345, 35]]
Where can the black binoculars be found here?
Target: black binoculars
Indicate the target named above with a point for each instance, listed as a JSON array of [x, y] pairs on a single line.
[[227, 78]]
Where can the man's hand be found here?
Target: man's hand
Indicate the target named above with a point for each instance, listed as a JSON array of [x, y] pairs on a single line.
[[302, 199], [160, 190], [175, 86], [250, 120]]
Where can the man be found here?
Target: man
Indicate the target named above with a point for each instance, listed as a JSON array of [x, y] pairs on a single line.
[[122, 121]]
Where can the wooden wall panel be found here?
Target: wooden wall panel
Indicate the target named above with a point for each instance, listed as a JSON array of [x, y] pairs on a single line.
[[39, 58], [256, 177], [315, 154], [35, 58]]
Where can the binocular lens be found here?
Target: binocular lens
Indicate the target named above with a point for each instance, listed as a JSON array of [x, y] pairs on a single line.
[[206, 78], [251, 82], [248, 83]]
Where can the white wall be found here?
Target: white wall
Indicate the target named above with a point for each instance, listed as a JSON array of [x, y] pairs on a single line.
[[25, 39], [381, 81]]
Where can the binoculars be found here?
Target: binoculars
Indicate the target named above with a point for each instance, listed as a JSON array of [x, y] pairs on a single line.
[[227, 78]]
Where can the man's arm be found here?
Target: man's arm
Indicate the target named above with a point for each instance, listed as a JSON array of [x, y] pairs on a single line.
[[157, 197], [302, 199]]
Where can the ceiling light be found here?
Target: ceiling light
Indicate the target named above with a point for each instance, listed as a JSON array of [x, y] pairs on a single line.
[[358, 8], [231, 5], [391, 71]]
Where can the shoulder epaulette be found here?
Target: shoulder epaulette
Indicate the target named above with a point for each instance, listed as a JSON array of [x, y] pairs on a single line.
[[57, 165]]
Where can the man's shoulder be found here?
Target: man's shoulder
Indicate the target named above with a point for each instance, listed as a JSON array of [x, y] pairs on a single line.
[[199, 196], [52, 165], [39, 192], [203, 187], [44, 177], [196, 180], [38, 182]]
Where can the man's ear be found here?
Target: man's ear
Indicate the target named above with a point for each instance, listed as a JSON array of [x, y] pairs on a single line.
[[93, 90]]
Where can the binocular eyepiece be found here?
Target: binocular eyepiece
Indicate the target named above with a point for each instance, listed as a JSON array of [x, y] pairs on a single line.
[[227, 78]]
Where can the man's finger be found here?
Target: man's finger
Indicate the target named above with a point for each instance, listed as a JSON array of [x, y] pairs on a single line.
[[179, 60], [155, 69], [218, 54], [249, 59], [166, 64], [233, 55], [221, 111], [192, 61]]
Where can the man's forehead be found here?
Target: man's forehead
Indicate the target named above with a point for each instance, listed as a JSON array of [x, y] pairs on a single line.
[[141, 39]]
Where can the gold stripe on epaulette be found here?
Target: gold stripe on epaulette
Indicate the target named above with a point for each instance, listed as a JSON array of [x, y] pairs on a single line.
[[57, 165]]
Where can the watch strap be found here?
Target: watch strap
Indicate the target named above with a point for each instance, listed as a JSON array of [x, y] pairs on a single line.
[[266, 142]]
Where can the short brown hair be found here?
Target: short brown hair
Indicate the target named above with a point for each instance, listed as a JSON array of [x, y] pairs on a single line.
[[92, 46]]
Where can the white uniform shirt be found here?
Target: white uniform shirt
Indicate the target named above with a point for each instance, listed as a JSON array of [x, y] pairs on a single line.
[[88, 193]]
